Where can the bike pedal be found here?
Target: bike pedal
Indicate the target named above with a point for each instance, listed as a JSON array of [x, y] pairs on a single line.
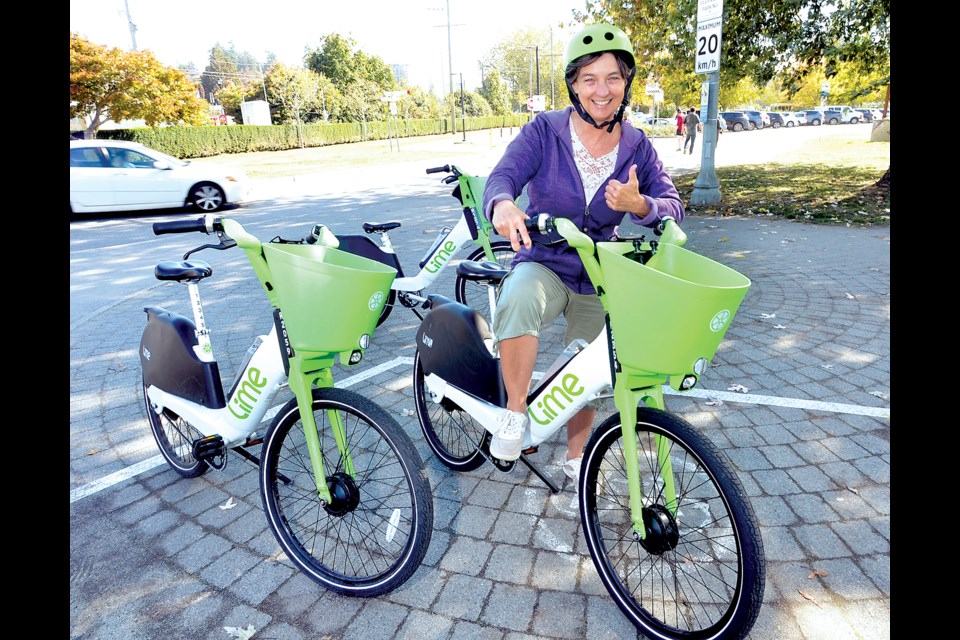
[[529, 450], [211, 450]]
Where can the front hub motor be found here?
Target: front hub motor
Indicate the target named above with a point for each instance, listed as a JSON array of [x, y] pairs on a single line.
[[344, 494], [663, 534]]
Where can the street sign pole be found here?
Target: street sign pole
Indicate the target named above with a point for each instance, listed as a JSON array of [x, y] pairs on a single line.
[[706, 188]]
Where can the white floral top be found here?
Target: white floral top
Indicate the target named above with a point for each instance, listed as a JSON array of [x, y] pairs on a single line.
[[593, 171]]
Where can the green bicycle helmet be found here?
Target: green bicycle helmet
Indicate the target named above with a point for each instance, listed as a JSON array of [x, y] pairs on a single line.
[[600, 38]]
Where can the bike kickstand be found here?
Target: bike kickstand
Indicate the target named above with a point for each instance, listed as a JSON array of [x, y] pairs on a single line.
[[553, 488]]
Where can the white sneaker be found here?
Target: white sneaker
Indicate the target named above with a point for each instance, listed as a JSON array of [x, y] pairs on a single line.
[[508, 442], [572, 468]]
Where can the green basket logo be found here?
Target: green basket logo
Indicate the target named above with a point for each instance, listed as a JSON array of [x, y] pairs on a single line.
[[375, 301], [720, 320]]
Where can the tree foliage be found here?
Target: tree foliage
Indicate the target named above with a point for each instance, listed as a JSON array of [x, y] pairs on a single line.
[[112, 84], [515, 60], [297, 92], [788, 39], [338, 59], [494, 90]]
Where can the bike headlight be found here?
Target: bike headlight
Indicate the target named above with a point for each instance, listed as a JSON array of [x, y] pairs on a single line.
[[365, 341], [689, 381]]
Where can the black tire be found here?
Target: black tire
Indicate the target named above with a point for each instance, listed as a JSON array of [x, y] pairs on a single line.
[[789, 124], [816, 122], [854, 120], [453, 435], [737, 126], [175, 437], [751, 126], [206, 197], [775, 125], [372, 540], [706, 583], [474, 294]]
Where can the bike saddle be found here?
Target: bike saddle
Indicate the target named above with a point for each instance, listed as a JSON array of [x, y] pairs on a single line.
[[482, 270], [183, 271], [377, 227]]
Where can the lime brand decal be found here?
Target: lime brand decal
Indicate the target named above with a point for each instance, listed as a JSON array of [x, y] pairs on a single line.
[[720, 320], [569, 386], [375, 301], [441, 257], [247, 394], [427, 340]]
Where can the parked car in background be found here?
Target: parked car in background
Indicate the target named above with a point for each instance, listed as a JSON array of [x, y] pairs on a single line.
[[846, 115], [776, 120], [116, 175], [789, 118], [758, 119], [736, 120], [814, 117], [867, 114], [801, 116]]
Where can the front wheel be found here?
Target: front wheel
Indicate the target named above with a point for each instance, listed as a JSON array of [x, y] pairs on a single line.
[[375, 532], [206, 197], [699, 572], [175, 437], [453, 435], [474, 294], [738, 127]]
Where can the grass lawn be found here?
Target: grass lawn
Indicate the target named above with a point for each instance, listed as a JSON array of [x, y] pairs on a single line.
[[837, 182]]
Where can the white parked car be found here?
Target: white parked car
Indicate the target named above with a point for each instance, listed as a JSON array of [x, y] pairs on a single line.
[[116, 175], [793, 118]]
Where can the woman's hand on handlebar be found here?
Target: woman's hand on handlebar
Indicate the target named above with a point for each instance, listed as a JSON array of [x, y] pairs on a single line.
[[508, 220]]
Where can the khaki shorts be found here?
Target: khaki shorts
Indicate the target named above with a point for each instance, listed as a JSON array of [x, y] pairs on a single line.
[[532, 295]]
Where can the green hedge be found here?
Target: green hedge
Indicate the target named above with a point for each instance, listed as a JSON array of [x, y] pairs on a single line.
[[200, 142]]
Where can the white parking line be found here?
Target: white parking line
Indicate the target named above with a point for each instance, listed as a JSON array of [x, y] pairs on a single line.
[[405, 361]]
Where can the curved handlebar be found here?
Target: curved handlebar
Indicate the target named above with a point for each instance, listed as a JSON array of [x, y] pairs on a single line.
[[444, 169]]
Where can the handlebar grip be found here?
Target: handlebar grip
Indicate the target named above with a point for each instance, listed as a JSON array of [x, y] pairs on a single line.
[[444, 169], [542, 223], [180, 226]]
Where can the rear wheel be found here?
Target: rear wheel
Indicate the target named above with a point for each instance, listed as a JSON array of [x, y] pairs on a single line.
[[453, 435], [175, 437], [699, 572], [475, 294], [776, 125], [375, 532], [788, 125], [737, 127]]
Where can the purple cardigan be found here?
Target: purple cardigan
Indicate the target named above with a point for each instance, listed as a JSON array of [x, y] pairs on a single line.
[[541, 158]]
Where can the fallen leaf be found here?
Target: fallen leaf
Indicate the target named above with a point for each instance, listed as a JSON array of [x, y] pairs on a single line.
[[827, 366], [715, 403], [738, 387], [724, 239], [779, 326], [851, 297], [879, 394], [768, 315], [406, 412], [243, 634], [93, 452], [817, 573], [229, 504], [851, 489], [808, 597]]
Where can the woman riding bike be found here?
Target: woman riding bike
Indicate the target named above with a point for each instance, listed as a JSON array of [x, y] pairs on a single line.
[[586, 164]]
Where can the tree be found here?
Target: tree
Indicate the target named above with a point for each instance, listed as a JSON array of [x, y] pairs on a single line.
[[515, 59], [473, 104], [495, 92], [419, 104], [297, 91], [112, 84]]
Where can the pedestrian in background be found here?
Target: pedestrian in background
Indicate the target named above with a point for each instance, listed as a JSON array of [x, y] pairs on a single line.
[[679, 128], [691, 123]]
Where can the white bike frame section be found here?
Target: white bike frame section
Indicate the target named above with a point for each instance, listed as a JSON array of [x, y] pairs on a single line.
[[259, 382], [584, 377], [457, 239]]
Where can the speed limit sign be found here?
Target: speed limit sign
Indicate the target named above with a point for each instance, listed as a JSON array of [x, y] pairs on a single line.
[[709, 27]]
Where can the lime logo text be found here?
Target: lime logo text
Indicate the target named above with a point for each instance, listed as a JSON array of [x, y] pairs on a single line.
[[552, 402], [247, 394], [447, 250]]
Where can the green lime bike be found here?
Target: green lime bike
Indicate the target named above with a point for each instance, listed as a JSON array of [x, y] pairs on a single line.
[[343, 487], [666, 520]]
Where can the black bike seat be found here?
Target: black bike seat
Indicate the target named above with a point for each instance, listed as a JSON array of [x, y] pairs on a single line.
[[376, 227], [183, 271], [482, 270]]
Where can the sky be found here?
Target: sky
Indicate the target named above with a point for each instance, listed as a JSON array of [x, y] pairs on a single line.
[[411, 32]]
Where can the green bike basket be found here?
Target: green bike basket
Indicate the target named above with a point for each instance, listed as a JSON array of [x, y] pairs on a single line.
[[329, 298], [681, 301]]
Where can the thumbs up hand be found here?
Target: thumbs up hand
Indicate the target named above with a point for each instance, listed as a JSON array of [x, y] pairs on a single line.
[[626, 196]]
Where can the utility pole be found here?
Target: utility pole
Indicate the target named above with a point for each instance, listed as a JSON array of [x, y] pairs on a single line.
[[453, 103], [133, 27]]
